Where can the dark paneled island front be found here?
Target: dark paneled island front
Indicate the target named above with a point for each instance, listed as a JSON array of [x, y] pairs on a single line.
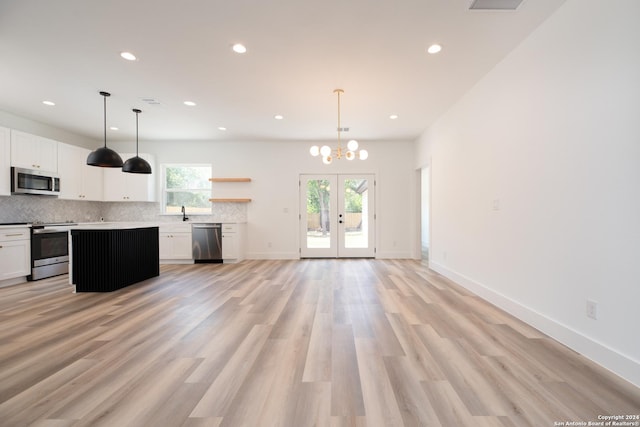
[[106, 257]]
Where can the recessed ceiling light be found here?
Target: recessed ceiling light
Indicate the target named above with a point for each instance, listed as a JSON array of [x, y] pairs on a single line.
[[278, 117], [239, 48], [434, 48], [114, 128], [49, 103], [222, 128], [128, 56], [189, 103], [393, 116]]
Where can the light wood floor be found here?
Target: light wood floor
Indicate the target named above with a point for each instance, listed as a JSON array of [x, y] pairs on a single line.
[[287, 343]]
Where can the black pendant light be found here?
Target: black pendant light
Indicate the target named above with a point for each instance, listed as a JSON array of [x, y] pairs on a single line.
[[136, 164], [104, 157]]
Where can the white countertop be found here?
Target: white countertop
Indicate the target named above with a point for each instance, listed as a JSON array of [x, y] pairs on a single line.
[[15, 226], [123, 224], [112, 225]]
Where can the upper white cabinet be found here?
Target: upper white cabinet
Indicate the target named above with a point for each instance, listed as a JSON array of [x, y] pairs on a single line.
[[33, 152], [129, 187], [5, 161], [78, 181]]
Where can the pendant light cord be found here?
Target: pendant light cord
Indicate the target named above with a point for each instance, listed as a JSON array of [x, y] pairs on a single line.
[[137, 134], [339, 129], [105, 120], [137, 111]]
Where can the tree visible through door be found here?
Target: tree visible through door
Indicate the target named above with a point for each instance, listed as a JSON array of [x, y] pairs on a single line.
[[337, 216]]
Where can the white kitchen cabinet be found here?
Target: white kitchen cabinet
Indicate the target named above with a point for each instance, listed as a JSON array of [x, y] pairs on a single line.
[[175, 243], [78, 181], [33, 152], [15, 253], [129, 187], [232, 242], [5, 161]]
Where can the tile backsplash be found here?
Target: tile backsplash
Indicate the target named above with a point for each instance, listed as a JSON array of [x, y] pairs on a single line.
[[50, 209]]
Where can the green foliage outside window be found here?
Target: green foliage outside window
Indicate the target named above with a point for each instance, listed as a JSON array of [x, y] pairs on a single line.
[[188, 186]]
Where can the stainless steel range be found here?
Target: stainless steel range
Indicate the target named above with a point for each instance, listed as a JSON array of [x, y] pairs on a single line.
[[49, 250]]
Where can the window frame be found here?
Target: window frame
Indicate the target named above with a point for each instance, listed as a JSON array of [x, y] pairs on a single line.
[[164, 190]]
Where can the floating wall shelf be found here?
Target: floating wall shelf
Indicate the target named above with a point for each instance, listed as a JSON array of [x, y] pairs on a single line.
[[230, 179], [231, 200]]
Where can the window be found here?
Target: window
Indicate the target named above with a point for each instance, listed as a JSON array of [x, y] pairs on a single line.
[[186, 185]]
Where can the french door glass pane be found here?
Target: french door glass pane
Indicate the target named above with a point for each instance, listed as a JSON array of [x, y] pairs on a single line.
[[318, 211], [356, 223]]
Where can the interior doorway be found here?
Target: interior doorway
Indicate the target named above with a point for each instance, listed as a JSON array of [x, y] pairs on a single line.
[[425, 186], [337, 216]]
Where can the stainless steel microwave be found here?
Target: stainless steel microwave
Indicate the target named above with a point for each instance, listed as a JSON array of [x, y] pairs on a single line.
[[28, 181]]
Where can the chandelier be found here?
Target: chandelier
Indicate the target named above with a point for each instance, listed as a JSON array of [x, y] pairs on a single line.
[[352, 146]]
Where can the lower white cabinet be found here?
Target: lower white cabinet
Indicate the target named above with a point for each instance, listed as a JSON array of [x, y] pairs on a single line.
[[232, 242], [15, 253], [175, 243]]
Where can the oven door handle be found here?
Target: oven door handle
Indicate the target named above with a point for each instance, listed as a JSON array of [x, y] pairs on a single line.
[[43, 231]]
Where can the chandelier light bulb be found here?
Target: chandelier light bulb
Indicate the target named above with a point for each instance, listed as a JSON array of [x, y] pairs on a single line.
[[352, 145], [350, 155], [363, 154], [327, 160], [314, 151], [325, 151]]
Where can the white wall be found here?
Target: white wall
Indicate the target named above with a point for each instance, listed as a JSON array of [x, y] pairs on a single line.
[[550, 137], [275, 166], [425, 180], [12, 121]]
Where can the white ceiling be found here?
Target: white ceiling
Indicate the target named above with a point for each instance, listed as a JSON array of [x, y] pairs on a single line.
[[299, 51]]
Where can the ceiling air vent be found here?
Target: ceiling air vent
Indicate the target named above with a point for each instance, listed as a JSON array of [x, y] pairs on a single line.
[[495, 4], [150, 101]]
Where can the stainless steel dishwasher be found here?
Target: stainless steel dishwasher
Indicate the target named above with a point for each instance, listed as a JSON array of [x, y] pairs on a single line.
[[207, 242]]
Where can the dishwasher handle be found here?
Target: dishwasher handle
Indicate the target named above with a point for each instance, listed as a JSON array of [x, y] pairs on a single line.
[[206, 225]]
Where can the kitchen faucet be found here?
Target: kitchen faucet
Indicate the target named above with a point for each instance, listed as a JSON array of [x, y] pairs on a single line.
[[184, 214]]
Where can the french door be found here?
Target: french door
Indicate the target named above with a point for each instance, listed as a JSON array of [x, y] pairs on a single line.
[[337, 216]]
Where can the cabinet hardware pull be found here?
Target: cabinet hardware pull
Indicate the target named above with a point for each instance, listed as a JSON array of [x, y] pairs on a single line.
[[13, 235]]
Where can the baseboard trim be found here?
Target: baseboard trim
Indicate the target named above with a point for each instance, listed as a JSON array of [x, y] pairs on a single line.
[[272, 255], [176, 261], [610, 359], [394, 255], [13, 281]]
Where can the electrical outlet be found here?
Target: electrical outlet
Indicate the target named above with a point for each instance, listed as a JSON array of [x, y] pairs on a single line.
[[592, 310]]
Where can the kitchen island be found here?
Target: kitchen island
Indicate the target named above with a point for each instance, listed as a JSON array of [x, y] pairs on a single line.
[[107, 257]]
